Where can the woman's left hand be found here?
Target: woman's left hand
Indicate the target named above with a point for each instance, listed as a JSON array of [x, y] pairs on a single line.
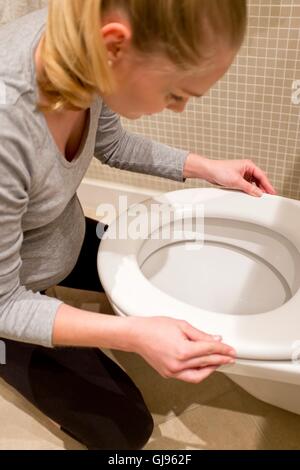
[[235, 174]]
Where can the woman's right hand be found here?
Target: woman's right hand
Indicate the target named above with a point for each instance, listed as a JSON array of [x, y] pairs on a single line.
[[175, 349]]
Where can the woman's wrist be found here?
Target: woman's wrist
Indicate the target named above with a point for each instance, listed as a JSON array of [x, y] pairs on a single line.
[[76, 327], [196, 166]]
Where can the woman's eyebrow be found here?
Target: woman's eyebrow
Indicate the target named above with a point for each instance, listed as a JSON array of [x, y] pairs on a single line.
[[196, 95]]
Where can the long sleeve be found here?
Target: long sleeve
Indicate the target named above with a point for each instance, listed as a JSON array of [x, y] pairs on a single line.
[[24, 315], [121, 149]]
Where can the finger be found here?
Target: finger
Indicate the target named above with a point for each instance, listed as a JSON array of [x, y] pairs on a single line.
[[249, 188], [196, 349], [206, 361], [263, 181], [197, 335], [261, 187], [195, 375]]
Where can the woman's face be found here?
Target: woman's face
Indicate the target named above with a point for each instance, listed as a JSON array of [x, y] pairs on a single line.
[[149, 86]]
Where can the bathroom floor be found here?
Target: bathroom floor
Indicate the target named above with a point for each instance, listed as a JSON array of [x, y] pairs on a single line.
[[215, 414]]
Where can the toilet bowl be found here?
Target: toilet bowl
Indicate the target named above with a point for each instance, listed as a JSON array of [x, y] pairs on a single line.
[[227, 263]]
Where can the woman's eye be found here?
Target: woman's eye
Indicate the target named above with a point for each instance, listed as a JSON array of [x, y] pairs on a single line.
[[176, 98]]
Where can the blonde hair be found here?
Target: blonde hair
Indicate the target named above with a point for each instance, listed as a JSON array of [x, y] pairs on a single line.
[[74, 58]]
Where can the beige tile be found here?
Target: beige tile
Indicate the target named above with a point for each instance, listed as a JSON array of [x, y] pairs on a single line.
[[280, 429], [215, 414], [167, 398], [24, 427], [234, 420], [210, 426], [91, 213], [174, 435], [91, 307], [86, 300]]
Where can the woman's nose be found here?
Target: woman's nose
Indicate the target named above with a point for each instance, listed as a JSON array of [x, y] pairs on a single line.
[[178, 107]]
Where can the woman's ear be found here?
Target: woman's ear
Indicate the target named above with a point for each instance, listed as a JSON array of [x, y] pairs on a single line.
[[117, 38]]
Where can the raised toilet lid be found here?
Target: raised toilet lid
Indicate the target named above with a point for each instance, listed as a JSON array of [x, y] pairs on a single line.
[[249, 262]]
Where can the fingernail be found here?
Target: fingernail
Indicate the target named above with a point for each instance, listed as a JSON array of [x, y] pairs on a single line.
[[233, 352], [258, 192], [217, 338], [231, 361]]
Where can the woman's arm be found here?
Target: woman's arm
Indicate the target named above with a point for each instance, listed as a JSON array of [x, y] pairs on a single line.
[[125, 150], [121, 149], [174, 348], [76, 327], [235, 174]]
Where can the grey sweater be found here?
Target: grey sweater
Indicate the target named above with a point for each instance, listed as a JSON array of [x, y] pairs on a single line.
[[42, 223]]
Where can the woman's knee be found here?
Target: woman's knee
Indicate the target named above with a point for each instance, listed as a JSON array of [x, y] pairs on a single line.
[[140, 430], [98, 433], [100, 405]]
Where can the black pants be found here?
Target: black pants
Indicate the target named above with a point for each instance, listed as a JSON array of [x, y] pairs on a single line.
[[82, 389]]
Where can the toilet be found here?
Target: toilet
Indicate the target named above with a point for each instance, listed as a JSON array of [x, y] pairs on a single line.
[[226, 262]]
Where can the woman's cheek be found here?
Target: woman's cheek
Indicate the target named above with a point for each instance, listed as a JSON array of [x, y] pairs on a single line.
[[158, 106]]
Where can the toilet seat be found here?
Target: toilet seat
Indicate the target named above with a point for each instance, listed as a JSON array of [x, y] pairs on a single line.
[[272, 335]]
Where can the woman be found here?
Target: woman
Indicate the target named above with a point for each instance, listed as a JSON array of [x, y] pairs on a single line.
[[69, 72]]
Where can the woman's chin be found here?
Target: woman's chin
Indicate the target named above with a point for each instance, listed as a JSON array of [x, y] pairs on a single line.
[[133, 116]]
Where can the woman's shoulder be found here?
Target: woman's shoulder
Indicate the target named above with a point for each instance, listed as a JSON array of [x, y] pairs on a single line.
[[18, 40], [22, 27], [17, 78], [17, 43]]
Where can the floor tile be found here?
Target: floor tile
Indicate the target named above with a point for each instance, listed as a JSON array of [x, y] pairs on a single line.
[[24, 427], [210, 426], [215, 414], [167, 398]]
